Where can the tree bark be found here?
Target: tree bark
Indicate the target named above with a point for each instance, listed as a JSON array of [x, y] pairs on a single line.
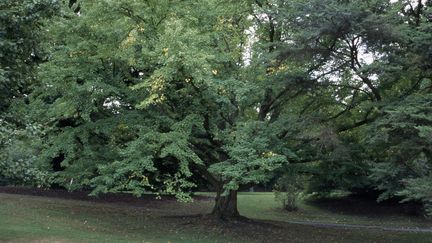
[[226, 205]]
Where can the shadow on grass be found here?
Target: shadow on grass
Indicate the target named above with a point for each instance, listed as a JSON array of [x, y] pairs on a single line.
[[84, 195], [366, 206]]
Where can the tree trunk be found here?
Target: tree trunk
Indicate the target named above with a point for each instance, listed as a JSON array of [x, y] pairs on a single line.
[[226, 205]]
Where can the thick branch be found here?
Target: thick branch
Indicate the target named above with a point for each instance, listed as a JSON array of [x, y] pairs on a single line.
[[366, 120]]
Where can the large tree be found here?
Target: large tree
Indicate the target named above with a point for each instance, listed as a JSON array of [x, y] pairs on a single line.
[[140, 96], [153, 96], [368, 95]]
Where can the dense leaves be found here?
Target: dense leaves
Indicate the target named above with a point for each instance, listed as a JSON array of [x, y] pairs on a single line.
[[158, 96]]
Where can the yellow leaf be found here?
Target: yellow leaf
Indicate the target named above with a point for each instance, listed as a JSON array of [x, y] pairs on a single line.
[[165, 51]]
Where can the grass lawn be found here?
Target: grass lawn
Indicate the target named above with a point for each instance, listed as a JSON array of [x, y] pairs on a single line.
[[347, 211], [43, 219]]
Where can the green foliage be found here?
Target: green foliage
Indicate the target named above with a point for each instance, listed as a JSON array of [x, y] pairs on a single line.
[[252, 156], [138, 96], [161, 71], [403, 139], [18, 160], [418, 189], [367, 117], [156, 161], [21, 32], [20, 36]]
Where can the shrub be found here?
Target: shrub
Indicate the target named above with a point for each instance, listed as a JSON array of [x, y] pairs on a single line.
[[289, 189], [18, 157]]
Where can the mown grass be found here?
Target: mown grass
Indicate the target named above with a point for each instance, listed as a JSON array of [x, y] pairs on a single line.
[[40, 219], [24, 218], [366, 212]]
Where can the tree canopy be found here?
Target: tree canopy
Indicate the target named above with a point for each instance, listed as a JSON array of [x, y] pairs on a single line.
[[160, 96]]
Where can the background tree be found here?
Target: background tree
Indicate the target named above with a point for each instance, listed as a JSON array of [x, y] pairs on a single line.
[[372, 63], [21, 35], [20, 49]]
